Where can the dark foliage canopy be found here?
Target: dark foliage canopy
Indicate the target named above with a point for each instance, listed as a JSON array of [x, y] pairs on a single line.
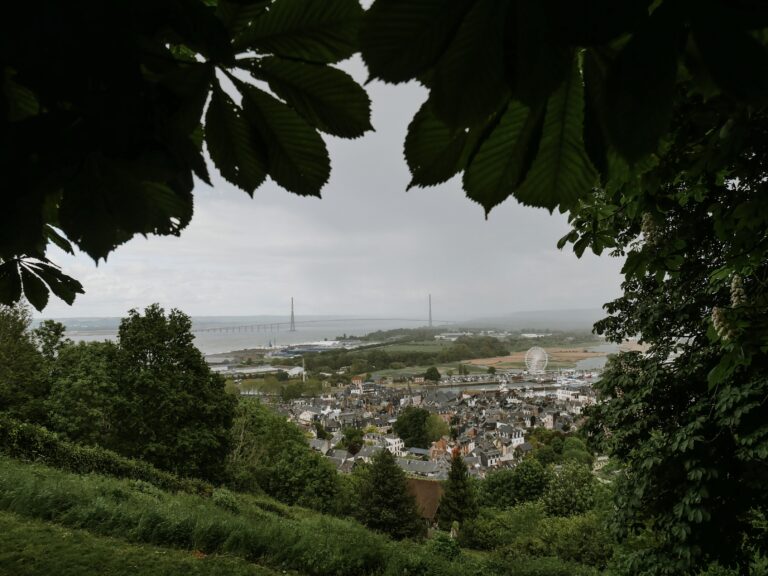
[[106, 108], [688, 417]]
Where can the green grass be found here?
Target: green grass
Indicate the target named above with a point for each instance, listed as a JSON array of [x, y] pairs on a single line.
[[430, 346], [35, 548], [253, 529]]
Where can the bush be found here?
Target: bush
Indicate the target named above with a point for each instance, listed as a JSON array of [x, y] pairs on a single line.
[[34, 443], [444, 546], [570, 491], [225, 499], [271, 455], [494, 528], [582, 539]]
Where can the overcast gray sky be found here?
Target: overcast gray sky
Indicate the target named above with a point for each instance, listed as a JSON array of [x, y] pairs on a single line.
[[368, 247]]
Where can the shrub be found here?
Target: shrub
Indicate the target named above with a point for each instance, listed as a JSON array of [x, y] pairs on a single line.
[[570, 491], [494, 528], [225, 499], [583, 539], [34, 443], [444, 546]]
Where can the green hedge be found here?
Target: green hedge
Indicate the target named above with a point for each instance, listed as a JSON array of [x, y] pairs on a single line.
[[34, 443]]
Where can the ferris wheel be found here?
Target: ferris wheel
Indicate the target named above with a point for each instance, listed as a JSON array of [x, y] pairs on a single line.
[[536, 360]]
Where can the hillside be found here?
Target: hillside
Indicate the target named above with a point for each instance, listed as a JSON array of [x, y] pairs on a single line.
[[91, 520]]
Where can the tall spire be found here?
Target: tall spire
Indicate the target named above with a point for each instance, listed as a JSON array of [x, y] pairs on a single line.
[[293, 319], [430, 310]]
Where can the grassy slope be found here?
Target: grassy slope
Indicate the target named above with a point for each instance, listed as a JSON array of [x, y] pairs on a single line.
[[252, 529], [33, 547]]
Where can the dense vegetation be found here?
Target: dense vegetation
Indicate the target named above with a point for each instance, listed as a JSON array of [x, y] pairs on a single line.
[[150, 395], [382, 357], [548, 515], [265, 532], [272, 455]]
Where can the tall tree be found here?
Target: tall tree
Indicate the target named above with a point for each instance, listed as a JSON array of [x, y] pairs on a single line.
[[411, 426], [23, 380], [50, 338], [432, 374], [352, 440], [526, 482], [436, 428], [459, 502], [385, 503], [172, 410], [81, 403], [687, 416]]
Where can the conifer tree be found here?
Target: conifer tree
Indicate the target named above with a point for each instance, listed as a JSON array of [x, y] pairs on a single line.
[[459, 502], [385, 503]]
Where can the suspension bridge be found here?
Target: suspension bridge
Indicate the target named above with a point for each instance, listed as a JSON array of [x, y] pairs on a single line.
[[286, 326], [292, 323]]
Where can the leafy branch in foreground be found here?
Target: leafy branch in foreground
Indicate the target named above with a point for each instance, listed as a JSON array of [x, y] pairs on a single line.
[[102, 117], [549, 101]]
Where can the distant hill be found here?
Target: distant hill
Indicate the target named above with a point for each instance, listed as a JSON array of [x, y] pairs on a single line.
[[580, 319]]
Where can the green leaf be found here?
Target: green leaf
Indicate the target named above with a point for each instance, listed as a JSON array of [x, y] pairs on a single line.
[[53, 235], [572, 236], [34, 290], [10, 283], [504, 157], [641, 84], [327, 98], [433, 151], [469, 83], [110, 200], [297, 158], [561, 172], [310, 30], [401, 39], [63, 286], [233, 143], [581, 245]]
